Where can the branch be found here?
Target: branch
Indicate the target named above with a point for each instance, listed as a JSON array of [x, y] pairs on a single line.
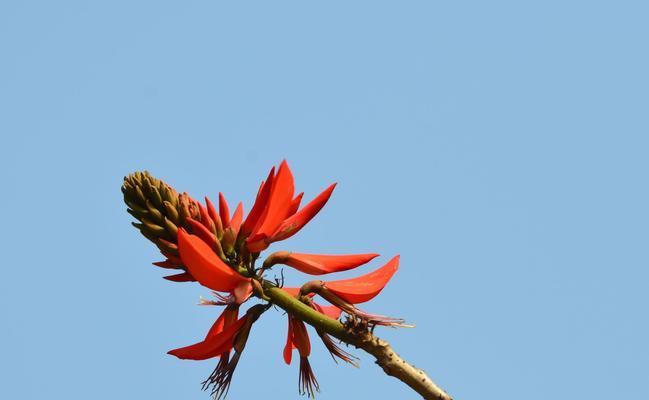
[[390, 361]]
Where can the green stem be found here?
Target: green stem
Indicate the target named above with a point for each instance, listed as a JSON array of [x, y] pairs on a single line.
[[386, 358]]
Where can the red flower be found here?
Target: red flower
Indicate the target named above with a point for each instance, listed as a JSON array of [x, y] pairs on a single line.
[[298, 338], [218, 250], [217, 341], [315, 264], [366, 287], [208, 269], [279, 218], [346, 293]]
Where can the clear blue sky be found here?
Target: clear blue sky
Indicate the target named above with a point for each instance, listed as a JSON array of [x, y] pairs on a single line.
[[500, 147]]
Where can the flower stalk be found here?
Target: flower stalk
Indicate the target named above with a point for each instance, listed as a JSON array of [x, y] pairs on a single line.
[[361, 338]]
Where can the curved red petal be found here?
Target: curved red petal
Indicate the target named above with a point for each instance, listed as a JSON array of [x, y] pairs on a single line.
[[301, 338], [319, 264], [227, 318], [184, 277], [202, 232], [288, 347], [206, 220], [205, 265], [168, 264], [260, 205], [217, 326], [364, 288], [295, 204], [279, 201], [297, 221], [212, 346]]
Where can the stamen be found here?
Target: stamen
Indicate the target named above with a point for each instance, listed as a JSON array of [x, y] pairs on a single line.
[[213, 379], [307, 383], [221, 300], [221, 378], [336, 351], [202, 301], [382, 320]]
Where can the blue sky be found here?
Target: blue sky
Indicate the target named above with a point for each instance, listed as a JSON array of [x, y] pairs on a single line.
[[499, 147]]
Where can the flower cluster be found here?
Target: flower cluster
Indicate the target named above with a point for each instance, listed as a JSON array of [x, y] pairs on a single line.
[[219, 250]]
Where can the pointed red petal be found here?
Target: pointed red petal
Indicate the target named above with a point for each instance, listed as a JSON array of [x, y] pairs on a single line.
[[167, 264], [366, 287], [205, 265], [206, 220], [301, 338], [217, 327], [316, 264], [224, 211], [202, 232], [288, 347], [294, 223], [227, 318], [212, 346], [277, 209], [235, 223], [260, 204], [184, 277], [295, 204]]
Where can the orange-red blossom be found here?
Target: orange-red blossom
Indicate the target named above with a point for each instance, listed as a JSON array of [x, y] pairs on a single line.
[[219, 250]]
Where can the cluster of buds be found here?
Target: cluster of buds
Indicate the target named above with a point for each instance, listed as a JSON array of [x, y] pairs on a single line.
[[219, 250]]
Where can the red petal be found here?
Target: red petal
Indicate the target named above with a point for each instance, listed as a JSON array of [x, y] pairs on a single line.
[[205, 265], [206, 220], [212, 346], [224, 211], [167, 264], [227, 318], [184, 277], [277, 209], [260, 205], [288, 347], [366, 287], [316, 264], [294, 223], [301, 338], [217, 327], [235, 224], [202, 232], [295, 204]]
